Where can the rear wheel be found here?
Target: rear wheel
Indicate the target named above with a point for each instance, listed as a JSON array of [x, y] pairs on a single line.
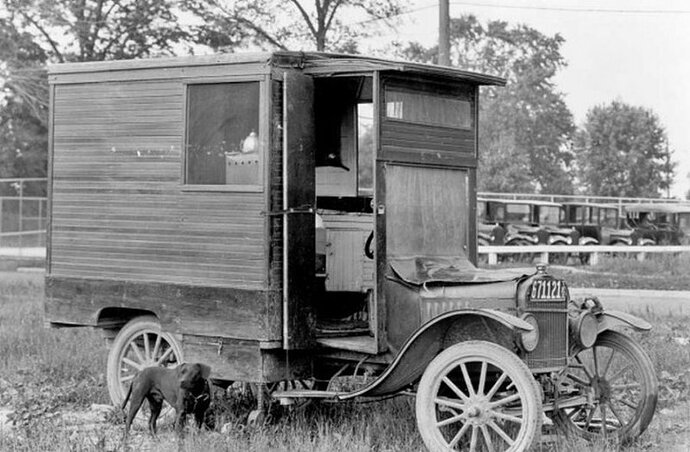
[[618, 377], [140, 344], [478, 396]]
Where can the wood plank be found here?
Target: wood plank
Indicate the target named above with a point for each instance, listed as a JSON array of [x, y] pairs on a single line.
[[364, 343], [206, 72], [170, 275], [299, 192], [182, 309]]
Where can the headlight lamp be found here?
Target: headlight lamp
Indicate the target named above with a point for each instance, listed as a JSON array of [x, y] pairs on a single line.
[[530, 339], [585, 329]]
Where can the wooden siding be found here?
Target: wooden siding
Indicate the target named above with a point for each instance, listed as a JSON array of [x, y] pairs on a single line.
[[119, 210]]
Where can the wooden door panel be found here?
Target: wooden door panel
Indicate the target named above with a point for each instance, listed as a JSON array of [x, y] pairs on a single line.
[[298, 204]]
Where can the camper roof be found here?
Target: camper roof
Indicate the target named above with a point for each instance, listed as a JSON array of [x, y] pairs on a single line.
[[316, 63]]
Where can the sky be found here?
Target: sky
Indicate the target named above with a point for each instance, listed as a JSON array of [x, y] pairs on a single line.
[[636, 51]]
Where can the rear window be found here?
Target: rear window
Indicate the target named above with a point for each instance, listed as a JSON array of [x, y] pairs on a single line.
[[223, 145], [517, 213]]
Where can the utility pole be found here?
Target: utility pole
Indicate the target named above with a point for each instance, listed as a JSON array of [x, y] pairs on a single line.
[[443, 33]]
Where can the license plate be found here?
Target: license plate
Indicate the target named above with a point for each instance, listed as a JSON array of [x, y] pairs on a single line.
[[547, 290]]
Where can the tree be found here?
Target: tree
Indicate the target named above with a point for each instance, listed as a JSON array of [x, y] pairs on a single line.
[[37, 31], [24, 105], [525, 127], [622, 151], [287, 24], [94, 30]]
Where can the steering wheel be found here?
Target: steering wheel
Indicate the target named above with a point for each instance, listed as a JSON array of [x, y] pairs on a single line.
[[368, 252]]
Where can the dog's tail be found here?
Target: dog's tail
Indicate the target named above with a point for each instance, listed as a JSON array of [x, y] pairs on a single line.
[[129, 392]]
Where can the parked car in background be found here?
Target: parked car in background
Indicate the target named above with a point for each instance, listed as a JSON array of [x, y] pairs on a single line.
[[597, 224], [528, 222], [489, 232], [659, 224]]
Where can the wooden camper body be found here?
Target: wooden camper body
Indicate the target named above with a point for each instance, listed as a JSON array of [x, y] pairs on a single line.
[[229, 269]]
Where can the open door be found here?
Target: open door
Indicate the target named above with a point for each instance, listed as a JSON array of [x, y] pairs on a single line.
[[299, 198]]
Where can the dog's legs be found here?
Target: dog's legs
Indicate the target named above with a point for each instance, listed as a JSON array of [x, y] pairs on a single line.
[[201, 414], [134, 406], [155, 404], [179, 420]]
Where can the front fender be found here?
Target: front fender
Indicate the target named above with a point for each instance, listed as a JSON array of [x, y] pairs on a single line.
[[588, 241], [423, 346], [559, 240], [512, 238], [611, 319]]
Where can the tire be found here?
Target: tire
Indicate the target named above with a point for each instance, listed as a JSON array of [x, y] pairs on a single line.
[[482, 259], [139, 344], [586, 257], [559, 258], [625, 408], [518, 257], [448, 394]]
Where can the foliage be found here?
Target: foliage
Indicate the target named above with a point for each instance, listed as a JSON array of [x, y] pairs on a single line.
[[291, 24], [525, 127], [661, 271], [94, 30], [24, 102], [622, 151]]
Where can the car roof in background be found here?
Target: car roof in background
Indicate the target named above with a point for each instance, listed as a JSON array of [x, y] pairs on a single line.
[[522, 201], [658, 207]]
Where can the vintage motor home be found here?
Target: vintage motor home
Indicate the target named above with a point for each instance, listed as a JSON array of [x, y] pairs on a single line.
[[295, 217]]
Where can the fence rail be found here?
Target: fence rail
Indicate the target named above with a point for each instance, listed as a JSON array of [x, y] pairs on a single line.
[[594, 251], [620, 200]]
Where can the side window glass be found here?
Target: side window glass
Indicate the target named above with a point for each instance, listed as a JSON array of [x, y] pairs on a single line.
[[222, 145]]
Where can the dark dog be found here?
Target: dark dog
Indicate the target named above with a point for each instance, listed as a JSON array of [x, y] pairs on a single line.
[[185, 387]]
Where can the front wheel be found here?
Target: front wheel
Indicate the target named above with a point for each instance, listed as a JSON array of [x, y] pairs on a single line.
[[618, 378], [139, 344], [478, 396]]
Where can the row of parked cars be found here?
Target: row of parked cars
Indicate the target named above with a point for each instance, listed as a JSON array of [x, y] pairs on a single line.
[[535, 222]]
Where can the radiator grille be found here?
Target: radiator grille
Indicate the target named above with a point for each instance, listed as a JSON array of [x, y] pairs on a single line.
[[552, 351]]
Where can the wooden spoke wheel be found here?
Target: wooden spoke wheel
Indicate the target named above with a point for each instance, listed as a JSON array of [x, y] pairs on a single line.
[[618, 377], [140, 344], [478, 396]]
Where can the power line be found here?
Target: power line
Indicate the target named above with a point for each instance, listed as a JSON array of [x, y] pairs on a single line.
[[533, 8], [575, 10]]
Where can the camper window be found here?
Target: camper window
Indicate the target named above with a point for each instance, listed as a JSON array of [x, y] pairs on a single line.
[[222, 134], [428, 109]]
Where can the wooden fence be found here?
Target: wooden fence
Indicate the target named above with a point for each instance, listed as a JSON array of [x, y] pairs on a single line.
[[594, 251]]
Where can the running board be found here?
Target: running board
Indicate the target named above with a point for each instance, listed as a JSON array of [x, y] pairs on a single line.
[[289, 397], [566, 403]]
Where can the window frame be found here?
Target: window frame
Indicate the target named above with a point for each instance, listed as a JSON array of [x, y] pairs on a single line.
[[263, 132], [461, 97]]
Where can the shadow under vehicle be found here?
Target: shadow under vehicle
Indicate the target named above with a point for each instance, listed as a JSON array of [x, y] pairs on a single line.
[[215, 209], [659, 223]]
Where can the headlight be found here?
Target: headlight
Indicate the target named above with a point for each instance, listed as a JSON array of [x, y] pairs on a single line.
[[584, 329], [530, 339]]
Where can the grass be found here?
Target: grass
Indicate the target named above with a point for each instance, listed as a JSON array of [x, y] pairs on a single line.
[[44, 372], [659, 272]]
